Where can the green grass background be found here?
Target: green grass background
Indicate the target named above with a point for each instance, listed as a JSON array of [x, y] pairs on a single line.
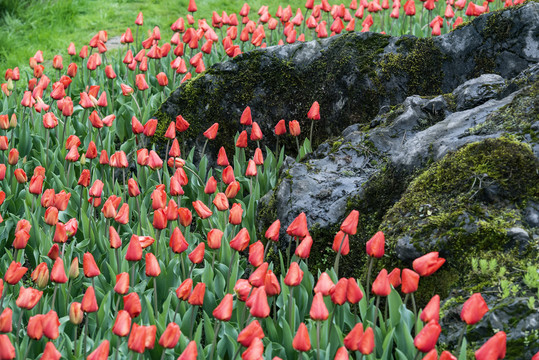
[[50, 25]]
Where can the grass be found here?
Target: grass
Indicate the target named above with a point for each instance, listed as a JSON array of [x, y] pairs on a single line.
[[50, 25]]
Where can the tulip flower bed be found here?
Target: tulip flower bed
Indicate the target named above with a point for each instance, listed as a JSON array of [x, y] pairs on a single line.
[[171, 263]]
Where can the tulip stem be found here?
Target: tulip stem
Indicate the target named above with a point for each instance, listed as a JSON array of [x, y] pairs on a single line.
[[75, 331], [375, 312], [54, 295], [85, 335], [415, 313], [311, 136], [19, 326], [368, 285], [155, 295], [176, 311], [216, 331], [163, 355], [117, 252], [203, 149], [157, 233], [291, 307], [133, 275], [338, 257], [47, 150], [318, 339], [195, 308], [191, 270], [229, 270]]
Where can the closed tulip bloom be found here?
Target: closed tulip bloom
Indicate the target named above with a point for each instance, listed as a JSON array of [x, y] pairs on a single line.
[[298, 227], [342, 354], [122, 217], [89, 302], [473, 309], [351, 341], [50, 121], [242, 140], [171, 131], [159, 197], [41, 275], [89, 266], [314, 111], [134, 249], [410, 281], [251, 169], [91, 152], [50, 352], [197, 296], [177, 241], [254, 351], [294, 128], [76, 314], [197, 255], [181, 124], [184, 290], [246, 118], [84, 179], [304, 248], [122, 324], [349, 224], [50, 324], [256, 133], [132, 304], [366, 342], [7, 351], [185, 215], [256, 253], [232, 190], [494, 348], [241, 240], [211, 133], [34, 328], [338, 292], [137, 339], [235, 215], [228, 175], [4, 145], [249, 333], [36, 185], [60, 233], [154, 161], [324, 284], [375, 246], [271, 284], [426, 340], [446, 355], [6, 320], [190, 352], [221, 202], [97, 188], [170, 336], [202, 210], [122, 283], [21, 239], [159, 219], [223, 311], [353, 291], [162, 79], [341, 237], [280, 128], [258, 157], [258, 277], [58, 274], [432, 310], [395, 277], [20, 176], [101, 352], [214, 238], [211, 186], [428, 264], [318, 311], [152, 265], [381, 285], [301, 341], [294, 275], [74, 268], [222, 159], [136, 126], [273, 231], [14, 273]]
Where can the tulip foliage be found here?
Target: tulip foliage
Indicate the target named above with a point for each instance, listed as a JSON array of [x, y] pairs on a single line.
[[115, 246]]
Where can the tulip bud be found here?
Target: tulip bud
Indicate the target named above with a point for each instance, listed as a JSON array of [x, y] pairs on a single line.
[[74, 269], [75, 313]]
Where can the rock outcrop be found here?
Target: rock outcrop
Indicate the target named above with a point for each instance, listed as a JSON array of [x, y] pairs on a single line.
[[353, 76]]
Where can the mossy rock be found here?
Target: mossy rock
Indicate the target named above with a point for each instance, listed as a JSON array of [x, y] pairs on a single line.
[[463, 205]]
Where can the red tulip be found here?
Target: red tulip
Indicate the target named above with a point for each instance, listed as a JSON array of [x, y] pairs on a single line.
[[324, 284], [242, 140], [50, 352], [428, 264], [7, 351], [394, 277], [366, 342], [137, 338], [341, 237], [249, 333], [314, 112], [89, 266], [34, 328], [152, 265], [446, 355], [101, 352], [410, 281], [197, 255], [20, 176], [132, 304], [381, 286], [134, 250], [304, 248], [246, 118], [197, 296], [298, 227], [254, 351], [338, 292], [353, 291], [294, 275], [50, 323], [89, 302], [223, 311], [351, 341], [170, 336], [190, 352], [256, 253], [14, 273], [280, 128], [235, 215], [184, 290], [273, 231], [58, 274], [432, 310], [494, 348], [473, 309], [122, 324], [301, 341], [342, 354], [375, 246], [256, 133], [241, 240], [318, 310], [6, 320], [211, 133], [426, 340], [294, 128], [122, 283], [202, 210]]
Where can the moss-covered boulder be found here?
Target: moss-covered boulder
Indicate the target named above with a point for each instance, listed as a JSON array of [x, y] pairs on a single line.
[[352, 76]]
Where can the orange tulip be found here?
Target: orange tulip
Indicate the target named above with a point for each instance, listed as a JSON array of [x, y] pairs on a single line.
[[304, 248], [137, 339], [170, 336], [75, 313], [381, 285], [494, 348], [242, 140], [14, 273], [241, 240], [298, 227], [351, 341], [122, 283], [184, 290], [190, 352], [341, 237], [58, 274], [50, 324], [197, 296], [410, 281], [314, 111], [301, 341], [7, 351], [431, 310], [34, 328], [134, 249], [353, 291], [338, 292], [6, 320], [101, 352], [426, 339], [122, 324], [473, 309], [428, 264], [249, 333], [324, 284], [152, 265], [211, 133], [318, 310], [132, 304], [89, 266], [375, 246], [202, 210], [223, 311], [235, 215]]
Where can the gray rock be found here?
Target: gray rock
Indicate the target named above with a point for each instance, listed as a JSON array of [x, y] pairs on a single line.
[[477, 91], [519, 237], [532, 214]]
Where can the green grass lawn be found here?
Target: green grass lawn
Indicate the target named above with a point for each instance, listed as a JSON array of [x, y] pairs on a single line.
[[50, 25]]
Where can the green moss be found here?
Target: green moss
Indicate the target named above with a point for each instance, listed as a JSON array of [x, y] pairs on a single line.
[[421, 61], [448, 207], [516, 117]]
